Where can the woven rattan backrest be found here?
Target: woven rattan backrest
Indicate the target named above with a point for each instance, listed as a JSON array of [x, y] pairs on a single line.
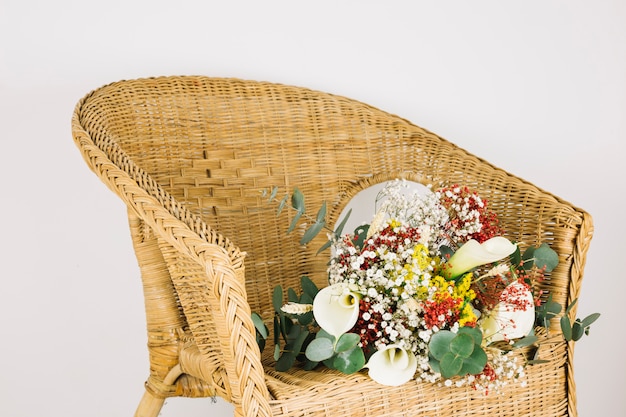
[[213, 145]]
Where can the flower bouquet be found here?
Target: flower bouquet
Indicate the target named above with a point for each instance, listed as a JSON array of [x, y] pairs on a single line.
[[430, 290]]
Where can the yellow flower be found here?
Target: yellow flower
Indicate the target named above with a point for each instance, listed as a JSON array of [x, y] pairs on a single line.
[[462, 288], [467, 315], [420, 257]]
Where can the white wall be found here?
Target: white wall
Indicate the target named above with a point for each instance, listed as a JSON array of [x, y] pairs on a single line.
[[536, 87]]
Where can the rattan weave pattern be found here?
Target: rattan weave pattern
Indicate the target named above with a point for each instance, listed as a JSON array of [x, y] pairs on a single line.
[[190, 155]]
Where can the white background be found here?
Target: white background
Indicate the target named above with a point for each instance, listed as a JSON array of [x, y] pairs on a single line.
[[536, 87]]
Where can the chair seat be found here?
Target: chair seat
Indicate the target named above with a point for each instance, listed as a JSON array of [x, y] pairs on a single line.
[[329, 393]]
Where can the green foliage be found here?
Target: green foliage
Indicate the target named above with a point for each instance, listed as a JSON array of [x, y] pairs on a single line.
[[298, 338], [575, 331], [458, 353], [343, 354], [315, 225], [261, 330], [544, 257], [293, 333], [547, 311], [540, 257]]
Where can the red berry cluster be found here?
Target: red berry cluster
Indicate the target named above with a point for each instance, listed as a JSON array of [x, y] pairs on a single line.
[[489, 219], [369, 330], [393, 238], [446, 307]]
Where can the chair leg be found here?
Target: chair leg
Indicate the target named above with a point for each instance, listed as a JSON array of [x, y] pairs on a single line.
[[151, 405]]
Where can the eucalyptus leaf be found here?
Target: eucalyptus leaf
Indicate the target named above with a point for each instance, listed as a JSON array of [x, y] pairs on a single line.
[[566, 328], [569, 307], [527, 257], [277, 298], [286, 326], [434, 364], [590, 319], [321, 214], [324, 246], [297, 200], [462, 345], [276, 352], [439, 343], [298, 343], [282, 204], [308, 286], [546, 257], [276, 329], [294, 221], [475, 363], [273, 193], [349, 361], [306, 318], [342, 223], [516, 257], [320, 349], [285, 362], [305, 299], [451, 365], [360, 234], [261, 342], [312, 232], [259, 325], [525, 341], [309, 365], [577, 331], [347, 341], [475, 332], [323, 334], [292, 296]]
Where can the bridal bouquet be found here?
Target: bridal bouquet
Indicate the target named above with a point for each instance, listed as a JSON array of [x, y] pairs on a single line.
[[429, 290]]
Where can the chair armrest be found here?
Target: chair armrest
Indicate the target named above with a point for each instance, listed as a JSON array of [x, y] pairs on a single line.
[[224, 274]]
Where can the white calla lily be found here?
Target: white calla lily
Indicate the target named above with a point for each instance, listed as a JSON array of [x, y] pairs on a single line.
[[508, 321], [336, 309], [392, 366], [473, 254]]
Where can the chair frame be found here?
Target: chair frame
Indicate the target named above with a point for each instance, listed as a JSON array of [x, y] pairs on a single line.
[[199, 283]]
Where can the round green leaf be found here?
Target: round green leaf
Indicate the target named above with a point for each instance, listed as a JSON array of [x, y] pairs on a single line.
[[577, 331], [439, 343], [475, 363], [462, 345], [324, 334], [349, 361], [347, 341], [475, 332], [450, 365], [320, 349], [546, 256]]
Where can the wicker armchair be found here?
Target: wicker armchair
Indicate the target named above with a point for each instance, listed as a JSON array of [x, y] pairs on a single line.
[[189, 157]]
